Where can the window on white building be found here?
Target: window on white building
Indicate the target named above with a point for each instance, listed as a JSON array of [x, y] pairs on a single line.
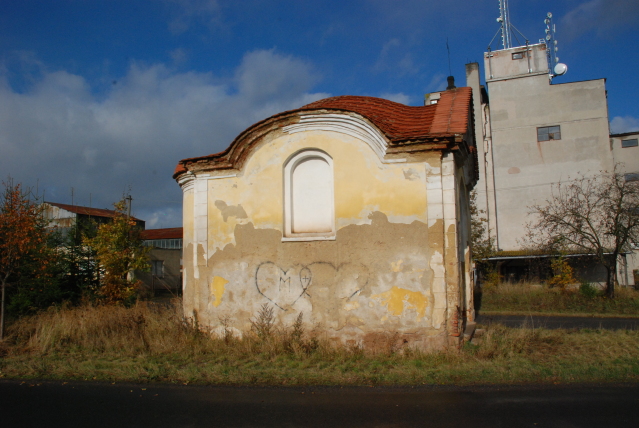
[[157, 268], [171, 244], [633, 176], [547, 133], [633, 142], [309, 211]]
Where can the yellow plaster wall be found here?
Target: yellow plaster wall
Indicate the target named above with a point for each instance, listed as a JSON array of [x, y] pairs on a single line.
[[381, 274], [362, 184]]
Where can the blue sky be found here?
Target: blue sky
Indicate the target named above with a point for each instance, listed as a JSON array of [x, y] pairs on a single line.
[[105, 96]]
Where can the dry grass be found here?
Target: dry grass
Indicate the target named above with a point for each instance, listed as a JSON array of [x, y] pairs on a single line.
[[154, 343], [102, 329], [527, 297]]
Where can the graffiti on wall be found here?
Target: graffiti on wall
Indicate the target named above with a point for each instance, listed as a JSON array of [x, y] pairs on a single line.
[[285, 286]]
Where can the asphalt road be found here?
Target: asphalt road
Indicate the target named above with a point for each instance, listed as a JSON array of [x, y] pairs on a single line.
[[568, 322], [75, 404]]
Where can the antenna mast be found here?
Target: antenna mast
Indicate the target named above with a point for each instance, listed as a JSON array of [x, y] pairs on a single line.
[[555, 68], [508, 31], [504, 19]]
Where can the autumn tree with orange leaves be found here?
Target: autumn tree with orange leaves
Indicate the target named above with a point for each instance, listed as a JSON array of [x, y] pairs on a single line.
[[22, 238]]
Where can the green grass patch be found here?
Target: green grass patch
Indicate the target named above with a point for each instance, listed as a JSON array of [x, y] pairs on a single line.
[[155, 344], [531, 298]]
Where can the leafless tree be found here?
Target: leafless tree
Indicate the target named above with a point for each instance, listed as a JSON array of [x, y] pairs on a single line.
[[597, 215]]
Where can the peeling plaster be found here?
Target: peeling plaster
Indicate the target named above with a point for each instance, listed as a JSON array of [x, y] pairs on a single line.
[[230, 210], [396, 299], [217, 289], [411, 174]]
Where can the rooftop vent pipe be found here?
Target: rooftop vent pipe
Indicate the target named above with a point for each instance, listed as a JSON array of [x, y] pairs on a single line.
[[451, 83]]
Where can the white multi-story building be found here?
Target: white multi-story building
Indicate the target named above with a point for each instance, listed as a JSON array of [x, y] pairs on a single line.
[[533, 133]]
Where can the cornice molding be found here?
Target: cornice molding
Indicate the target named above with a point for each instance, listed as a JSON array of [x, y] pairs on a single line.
[[186, 181], [344, 124]]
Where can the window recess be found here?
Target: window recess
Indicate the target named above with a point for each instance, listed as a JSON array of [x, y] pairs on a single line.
[[309, 211], [547, 133], [632, 176], [157, 268]]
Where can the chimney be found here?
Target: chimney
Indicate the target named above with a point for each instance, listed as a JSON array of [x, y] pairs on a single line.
[[451, 83]]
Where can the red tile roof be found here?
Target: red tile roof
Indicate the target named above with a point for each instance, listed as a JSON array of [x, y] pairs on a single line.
[[401, 122], [94, 212], [170, 233], [179, 169], [398, 122]]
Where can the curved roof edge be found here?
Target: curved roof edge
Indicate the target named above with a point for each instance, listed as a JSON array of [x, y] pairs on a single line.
[[398, 123]]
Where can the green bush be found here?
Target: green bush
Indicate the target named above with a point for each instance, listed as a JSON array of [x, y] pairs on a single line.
[[588, 290]]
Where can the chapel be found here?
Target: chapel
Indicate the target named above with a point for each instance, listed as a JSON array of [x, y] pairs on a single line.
[[351, 210]]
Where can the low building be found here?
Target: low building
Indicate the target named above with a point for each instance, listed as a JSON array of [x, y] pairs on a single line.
[[165, 259], [625, 151], [352, 211], [64, 217]]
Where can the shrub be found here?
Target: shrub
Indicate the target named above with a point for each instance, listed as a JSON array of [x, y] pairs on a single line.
[[493, 278], [588, 290], [563, 276]]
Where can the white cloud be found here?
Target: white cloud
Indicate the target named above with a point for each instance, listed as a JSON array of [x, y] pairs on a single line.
[[179, 56], [189, 11], [265, 75], [398, 97], [383, 58], [60, 132], [605, 17], [156, 219], [437, 83], [395, 56], [621, 124]]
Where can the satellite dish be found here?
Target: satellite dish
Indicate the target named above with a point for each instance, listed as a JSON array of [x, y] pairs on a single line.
[[560, 69]]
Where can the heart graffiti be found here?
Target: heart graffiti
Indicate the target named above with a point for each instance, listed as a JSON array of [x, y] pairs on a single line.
[[284, 287]]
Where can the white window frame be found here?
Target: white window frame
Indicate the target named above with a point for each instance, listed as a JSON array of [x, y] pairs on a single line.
[[289, 168]]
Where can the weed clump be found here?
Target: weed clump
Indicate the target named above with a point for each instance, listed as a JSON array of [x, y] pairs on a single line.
[[262, 326], [588, 290]]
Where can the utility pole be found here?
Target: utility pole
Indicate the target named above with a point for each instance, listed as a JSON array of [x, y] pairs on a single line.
[[130, 199]]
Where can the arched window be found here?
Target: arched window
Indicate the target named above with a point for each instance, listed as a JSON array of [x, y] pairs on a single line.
[[309, 211]]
